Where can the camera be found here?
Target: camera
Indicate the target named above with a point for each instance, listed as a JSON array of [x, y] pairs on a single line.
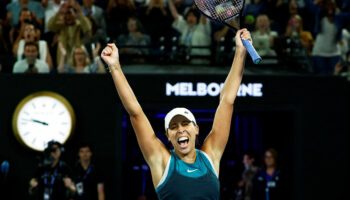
[[48, 159]]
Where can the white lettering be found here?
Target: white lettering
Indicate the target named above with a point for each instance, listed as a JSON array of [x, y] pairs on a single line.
[[212, 89]]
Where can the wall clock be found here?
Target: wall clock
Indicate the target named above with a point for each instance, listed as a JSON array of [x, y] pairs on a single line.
[[41, 117]]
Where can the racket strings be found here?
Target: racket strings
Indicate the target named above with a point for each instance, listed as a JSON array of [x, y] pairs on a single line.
[[222, 10]]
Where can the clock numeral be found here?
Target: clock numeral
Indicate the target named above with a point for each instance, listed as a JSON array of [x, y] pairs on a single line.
[[25, 112], [24, 123], [61, 133], [33, 105], [64, 123], [61, 113], [54, 105], [26, 133], [34, 140]]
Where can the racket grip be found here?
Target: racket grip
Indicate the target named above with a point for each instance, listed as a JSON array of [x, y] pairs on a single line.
[[252, 52]]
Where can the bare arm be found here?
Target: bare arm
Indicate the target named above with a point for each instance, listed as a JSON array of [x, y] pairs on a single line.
[[216, 141], [49, 58], [173, 10], [101, 191], [60, 67], [153, 150]]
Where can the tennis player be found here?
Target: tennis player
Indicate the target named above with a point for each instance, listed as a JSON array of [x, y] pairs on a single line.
[[185, 172]]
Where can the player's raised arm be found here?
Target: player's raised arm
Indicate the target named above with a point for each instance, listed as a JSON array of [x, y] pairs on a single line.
[[216, 141], [153, 150]]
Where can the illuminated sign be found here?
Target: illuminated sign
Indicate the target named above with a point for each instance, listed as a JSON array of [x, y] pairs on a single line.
[[212, 89]]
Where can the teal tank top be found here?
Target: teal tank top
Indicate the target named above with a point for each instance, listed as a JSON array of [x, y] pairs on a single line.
[[189, 181]]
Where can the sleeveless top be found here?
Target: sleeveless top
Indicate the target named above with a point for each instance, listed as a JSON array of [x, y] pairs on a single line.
[[190, 181]]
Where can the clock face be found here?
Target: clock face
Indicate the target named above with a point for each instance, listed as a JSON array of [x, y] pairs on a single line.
[[42, 117]]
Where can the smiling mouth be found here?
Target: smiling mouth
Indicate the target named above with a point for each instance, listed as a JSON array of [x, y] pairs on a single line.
[[183, 141]]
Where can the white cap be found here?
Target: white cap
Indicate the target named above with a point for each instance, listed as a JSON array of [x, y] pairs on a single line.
[[178, 111]]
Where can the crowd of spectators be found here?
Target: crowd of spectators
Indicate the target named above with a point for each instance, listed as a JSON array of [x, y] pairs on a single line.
[[308, 36]]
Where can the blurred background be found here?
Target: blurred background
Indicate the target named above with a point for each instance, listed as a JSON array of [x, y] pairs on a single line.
[[291, 114]]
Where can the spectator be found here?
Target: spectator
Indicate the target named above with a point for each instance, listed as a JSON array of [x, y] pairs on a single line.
[[295, 31], [51, 8], [89, 182], [53, 178], [14, 9], [195, 32], [26, 16], [255, 8], [328, 27], [263, 36], [30, 34], [250, 170], [134, 38], [118, 12], [79, 61], [71, 26], [97, 14], [31, 63], [267, 183], [157, 20]]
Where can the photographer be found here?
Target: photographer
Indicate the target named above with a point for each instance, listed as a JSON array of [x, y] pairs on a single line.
[[52, 180]]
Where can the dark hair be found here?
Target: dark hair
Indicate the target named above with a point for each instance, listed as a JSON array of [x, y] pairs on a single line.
[[251, 153], [83, 145], [193, 11], [31, 44], [50, 145]]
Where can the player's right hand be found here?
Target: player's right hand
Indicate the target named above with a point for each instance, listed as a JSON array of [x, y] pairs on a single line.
[[110, 54]]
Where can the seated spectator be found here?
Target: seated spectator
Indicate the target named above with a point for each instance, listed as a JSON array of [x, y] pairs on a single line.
[[134, 38], [245, 185], [295, 31], [71, 26], [118, 12], [31, 63], [53, 177], [79, 61], [30, 34], [263, 37], [195, 31], [14, 9], [88, 179], [97, 14], [267, 183]]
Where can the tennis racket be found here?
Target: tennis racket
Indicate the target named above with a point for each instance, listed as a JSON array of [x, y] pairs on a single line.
[[227, 12]]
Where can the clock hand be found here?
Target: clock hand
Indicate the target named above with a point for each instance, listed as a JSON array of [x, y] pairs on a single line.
[[40, 122]]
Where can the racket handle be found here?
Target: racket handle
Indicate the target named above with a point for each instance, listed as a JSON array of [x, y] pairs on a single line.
[[252, 52]]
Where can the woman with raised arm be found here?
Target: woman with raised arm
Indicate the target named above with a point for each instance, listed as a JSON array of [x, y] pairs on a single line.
[[185, 172]]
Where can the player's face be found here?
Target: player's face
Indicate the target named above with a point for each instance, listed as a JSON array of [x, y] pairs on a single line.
[[85, 154], [182, 134]]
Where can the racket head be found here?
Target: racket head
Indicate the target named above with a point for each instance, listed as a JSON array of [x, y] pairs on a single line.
[[227, 12]]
